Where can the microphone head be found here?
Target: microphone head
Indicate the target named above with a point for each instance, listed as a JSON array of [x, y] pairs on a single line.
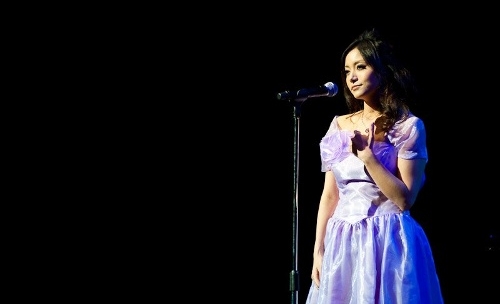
[[332, 88]]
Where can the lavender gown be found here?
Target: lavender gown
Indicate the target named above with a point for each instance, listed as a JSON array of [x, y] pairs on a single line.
[[374, 252]]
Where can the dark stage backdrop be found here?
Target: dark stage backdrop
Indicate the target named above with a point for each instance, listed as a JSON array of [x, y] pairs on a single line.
[[288, 54], [232, 138], [195, 152]]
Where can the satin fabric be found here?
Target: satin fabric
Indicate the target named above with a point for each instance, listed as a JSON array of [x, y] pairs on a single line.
[[374, 252]]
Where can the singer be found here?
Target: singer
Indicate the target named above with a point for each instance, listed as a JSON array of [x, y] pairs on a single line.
[[368, 248]]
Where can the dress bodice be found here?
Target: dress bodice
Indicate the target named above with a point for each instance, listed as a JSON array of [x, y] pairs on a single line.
[[360, 197]]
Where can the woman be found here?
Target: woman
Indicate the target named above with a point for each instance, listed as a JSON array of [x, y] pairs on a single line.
[[368, 248]]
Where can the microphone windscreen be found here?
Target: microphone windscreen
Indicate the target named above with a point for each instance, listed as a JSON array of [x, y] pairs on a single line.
[[332, 88]]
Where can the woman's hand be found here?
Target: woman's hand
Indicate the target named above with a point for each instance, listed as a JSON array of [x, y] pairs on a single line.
[[316, 270], [363, 144]]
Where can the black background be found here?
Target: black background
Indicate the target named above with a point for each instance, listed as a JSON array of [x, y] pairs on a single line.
[[216, 145], [288, 52]]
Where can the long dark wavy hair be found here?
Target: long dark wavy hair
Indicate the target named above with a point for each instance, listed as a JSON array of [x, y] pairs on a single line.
[[397, 87]]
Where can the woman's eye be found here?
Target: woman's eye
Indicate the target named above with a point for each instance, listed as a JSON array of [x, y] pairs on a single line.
[[361, 67]]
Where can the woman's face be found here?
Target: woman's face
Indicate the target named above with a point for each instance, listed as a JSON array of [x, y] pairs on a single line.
[[360, 77]]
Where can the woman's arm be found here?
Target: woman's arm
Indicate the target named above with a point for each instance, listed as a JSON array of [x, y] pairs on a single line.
[[327, 205], [403, 187]]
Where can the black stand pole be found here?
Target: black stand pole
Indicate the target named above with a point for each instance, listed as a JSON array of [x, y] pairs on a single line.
[[296, 100], [294, 274], [328, 89]]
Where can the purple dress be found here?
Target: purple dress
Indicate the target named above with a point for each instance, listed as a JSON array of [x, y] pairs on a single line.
[[374, 252]]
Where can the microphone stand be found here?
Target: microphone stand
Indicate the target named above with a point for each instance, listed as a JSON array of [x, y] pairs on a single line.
[[294, 274], [328, 89]]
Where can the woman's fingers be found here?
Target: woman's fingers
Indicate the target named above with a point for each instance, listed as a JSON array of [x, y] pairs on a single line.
[[315, 278]]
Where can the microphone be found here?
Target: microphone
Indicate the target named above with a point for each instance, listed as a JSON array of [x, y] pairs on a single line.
[[329, 89]]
